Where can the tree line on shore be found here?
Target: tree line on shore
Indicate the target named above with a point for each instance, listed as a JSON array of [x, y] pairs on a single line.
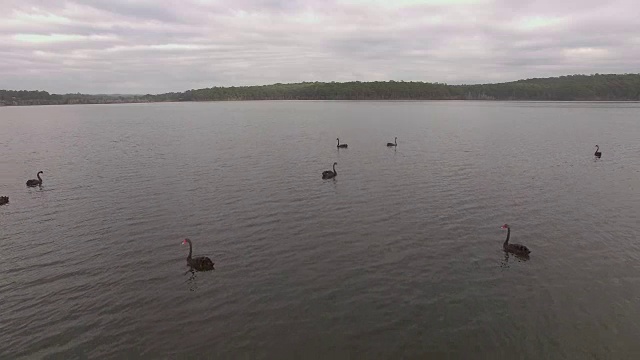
[[597, 87]]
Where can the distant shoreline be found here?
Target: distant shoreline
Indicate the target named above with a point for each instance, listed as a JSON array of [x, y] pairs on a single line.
[[330, 100], [598, 87]]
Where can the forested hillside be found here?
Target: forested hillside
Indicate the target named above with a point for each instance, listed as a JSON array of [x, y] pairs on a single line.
[[25, 97], [596, 87]]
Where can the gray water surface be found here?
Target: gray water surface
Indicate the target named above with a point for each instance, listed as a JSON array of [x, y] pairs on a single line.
[[399, 257]]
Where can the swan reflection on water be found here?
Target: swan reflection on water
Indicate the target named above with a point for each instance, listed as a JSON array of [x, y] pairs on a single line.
[[520, 258], [193, 284]]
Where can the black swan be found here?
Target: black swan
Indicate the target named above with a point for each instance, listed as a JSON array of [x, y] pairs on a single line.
[[4, 200], [395, 143], [330, 174], [514, 248], [597, 154], [201, 263], [343, 146], [34, 182]]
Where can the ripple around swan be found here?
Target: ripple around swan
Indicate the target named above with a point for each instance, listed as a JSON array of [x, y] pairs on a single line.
[[398, 257]]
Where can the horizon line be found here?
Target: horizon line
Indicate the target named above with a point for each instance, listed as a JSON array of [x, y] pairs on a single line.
[[325, 82]]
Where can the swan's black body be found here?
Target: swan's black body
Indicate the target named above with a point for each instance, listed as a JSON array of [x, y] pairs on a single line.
[[394, 143], [328, 174], [514, 248], [35, 182], [201, 263], [4, 200], [341, 146], [597, 154]]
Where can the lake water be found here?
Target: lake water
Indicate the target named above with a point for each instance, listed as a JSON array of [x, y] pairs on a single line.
[[399, 257]]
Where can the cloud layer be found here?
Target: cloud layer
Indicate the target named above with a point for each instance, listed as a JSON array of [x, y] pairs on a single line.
[[152, 46]]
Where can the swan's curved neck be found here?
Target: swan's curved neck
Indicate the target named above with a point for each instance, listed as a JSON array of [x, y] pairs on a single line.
[[39, 178], [597, 148], [190, 249], [334, 169], [506, 242], [395, 141], [338, 142]]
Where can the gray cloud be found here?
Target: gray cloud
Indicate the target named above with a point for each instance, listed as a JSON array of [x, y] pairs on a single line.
[[146, 46]]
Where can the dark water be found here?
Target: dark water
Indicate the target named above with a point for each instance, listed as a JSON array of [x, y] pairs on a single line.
[[399, 257]]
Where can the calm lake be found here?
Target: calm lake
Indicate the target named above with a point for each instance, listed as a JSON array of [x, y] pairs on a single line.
[[400, 256]]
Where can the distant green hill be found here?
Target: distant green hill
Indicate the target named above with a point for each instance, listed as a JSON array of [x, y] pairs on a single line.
[[598, 87], [25, 97]]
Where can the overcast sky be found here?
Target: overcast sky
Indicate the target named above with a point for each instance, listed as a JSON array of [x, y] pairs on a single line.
[[153, 46]]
